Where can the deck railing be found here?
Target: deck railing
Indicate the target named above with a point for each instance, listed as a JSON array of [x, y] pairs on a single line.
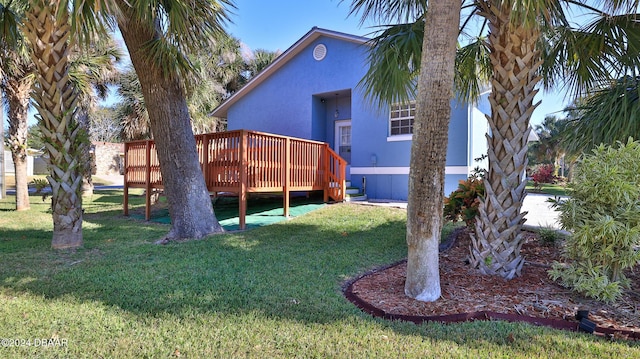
[[244, 161]]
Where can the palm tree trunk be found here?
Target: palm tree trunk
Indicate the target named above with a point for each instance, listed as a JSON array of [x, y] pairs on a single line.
[[189, 202], [17, 96], [515, 60], [56, 102], [429, 149]]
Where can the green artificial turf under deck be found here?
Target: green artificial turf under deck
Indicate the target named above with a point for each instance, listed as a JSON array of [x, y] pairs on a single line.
[[262, 210]]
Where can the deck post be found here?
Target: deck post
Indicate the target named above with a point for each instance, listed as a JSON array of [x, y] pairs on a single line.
[[147, 209], [125, 196], [242, 196], [286, 176], [205, 159], [325, 173], [343, 180]]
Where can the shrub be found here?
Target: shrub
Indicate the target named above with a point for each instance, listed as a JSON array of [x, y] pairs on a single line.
[[603, 212], [542, 174], [462, 204]]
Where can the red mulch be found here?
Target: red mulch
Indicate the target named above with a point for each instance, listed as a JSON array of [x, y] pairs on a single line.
[[464, 290]]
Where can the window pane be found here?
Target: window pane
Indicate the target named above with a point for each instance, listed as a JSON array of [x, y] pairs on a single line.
[[401, 118]]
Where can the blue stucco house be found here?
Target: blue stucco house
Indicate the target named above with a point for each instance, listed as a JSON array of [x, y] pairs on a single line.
[[311, 91]]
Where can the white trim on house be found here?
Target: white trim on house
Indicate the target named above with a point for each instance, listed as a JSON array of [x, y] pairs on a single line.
[[397, 138], [449, 170]]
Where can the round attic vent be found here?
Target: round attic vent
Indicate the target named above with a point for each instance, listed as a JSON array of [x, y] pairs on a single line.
[[319, 52]]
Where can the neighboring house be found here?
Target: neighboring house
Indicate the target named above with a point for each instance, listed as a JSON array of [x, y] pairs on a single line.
[[311, 91]]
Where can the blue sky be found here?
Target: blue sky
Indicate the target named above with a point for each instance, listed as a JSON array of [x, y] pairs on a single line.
[[278, 24]]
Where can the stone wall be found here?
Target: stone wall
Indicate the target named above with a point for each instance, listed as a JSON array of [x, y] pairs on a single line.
[[107, 158]]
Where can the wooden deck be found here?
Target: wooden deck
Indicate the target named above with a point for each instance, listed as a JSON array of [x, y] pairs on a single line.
[[243, 162]]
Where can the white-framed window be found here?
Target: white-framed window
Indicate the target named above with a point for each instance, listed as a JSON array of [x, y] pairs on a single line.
[[401, 119]]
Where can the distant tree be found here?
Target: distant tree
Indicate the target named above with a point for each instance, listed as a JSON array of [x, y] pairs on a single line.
[[259, 60], [131, 111], [15, 83], [104, 126], [35, 137], [91, 71], [221, 70], [549, 149]]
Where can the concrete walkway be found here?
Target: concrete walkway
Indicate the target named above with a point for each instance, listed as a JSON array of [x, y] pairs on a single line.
[[115, 182], [540, 213]]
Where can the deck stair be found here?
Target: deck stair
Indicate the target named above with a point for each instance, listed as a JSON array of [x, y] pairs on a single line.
[[354, 193]]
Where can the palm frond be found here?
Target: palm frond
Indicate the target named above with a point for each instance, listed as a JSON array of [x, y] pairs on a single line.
[[619, 6], [172, 62], [131, 110], [385, 12], [186, 25], [89, 19], [580, 59], [394, 63], [531, 13], [10, 18], [608, 115], [473, 69]]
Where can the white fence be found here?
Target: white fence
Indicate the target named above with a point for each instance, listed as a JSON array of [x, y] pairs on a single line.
[[9, 168]]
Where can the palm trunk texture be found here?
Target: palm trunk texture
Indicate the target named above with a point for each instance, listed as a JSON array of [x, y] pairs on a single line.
[[17, 92], [498, 233], [429, 149], [189, 202], [56, 102]]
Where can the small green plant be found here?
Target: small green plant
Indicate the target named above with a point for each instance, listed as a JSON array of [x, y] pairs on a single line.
[[548, 235], [488, 261], [603, 212], [462, 204], [40, 184]]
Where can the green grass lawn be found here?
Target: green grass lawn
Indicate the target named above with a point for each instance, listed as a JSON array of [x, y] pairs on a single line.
[[270, 292], [548, 188]]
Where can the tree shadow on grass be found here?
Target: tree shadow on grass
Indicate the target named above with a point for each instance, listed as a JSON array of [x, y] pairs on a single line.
[[293, 269]]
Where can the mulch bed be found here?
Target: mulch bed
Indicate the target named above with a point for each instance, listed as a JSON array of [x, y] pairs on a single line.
[[468, 295]]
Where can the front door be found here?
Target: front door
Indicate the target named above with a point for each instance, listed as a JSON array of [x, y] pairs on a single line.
[[343, 139]]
